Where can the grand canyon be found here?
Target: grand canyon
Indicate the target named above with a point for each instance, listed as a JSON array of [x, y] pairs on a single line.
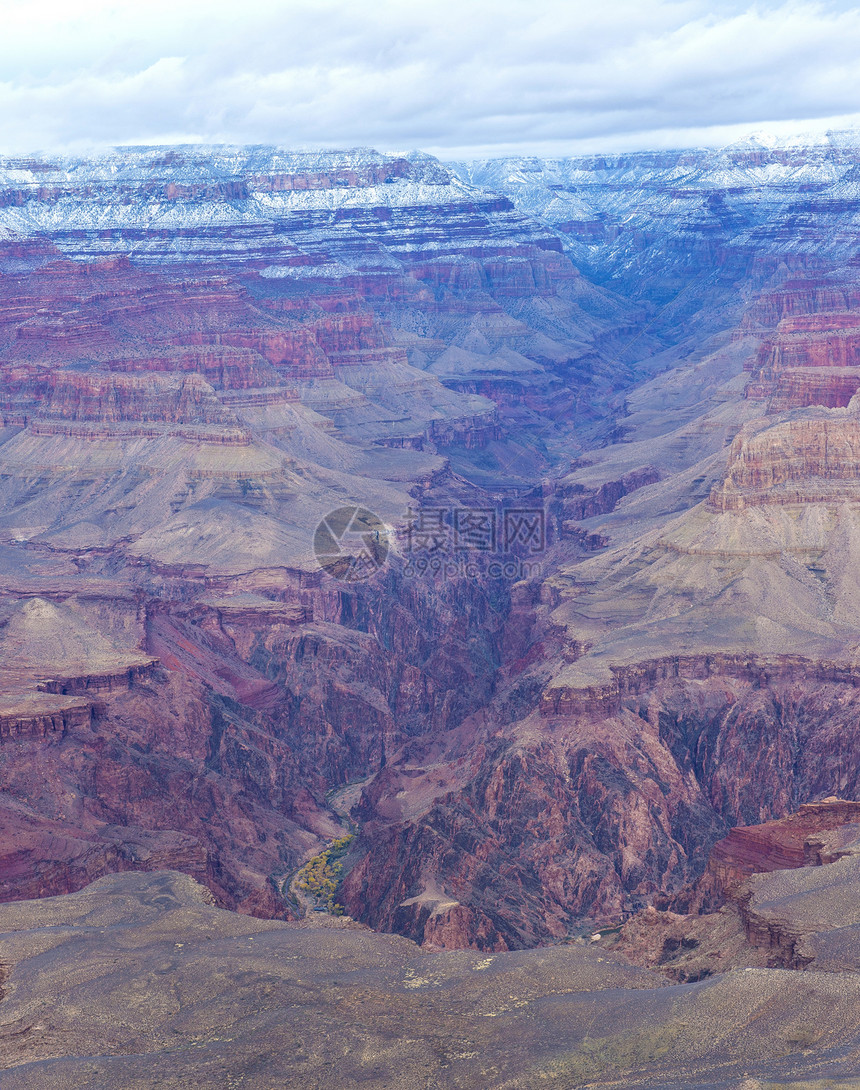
[[577, 702]]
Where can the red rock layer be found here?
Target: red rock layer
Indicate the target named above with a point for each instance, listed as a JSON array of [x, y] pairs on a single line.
[[775, 845], [599, 811], [223, 367], [113, 398], [799, 297], [810, 354], [793, 461]]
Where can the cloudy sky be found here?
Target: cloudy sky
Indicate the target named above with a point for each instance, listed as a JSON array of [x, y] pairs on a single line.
[[455, 77]]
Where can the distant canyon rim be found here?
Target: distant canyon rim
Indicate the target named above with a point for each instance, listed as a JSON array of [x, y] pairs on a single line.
[[602, 417]]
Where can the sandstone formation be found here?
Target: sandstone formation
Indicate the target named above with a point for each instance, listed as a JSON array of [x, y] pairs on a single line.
[[777, 845], [771, 895]]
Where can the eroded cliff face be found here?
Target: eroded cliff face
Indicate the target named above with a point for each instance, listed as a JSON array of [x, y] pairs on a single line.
[[215, 755], [802, 839], [778, 894], [566, 816]]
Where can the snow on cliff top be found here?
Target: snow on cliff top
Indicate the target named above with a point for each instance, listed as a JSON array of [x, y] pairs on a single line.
[[188, 163]]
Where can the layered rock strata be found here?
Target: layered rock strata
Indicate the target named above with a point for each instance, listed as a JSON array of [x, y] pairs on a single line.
[[185, 399]]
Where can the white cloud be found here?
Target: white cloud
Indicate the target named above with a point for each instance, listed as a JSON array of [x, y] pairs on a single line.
[[453, 76]]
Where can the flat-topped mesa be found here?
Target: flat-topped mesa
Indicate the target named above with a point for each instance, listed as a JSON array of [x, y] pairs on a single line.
[[107, 679], [33, 715], [51, 654], [784, 844], [623, 680], [805, 460]]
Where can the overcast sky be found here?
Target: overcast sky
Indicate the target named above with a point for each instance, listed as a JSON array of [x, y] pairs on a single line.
[[455, 77]]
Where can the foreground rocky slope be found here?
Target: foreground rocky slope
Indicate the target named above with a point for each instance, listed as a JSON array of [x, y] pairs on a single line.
[[211, 998]]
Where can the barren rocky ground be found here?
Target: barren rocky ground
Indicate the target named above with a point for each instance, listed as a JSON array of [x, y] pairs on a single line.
[[138, 981]]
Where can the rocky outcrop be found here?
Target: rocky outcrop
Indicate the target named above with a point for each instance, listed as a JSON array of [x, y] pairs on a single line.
[[811, 357], [798, 297], [783, 844], [580, 502], [108, 681], [738, 919], [795, 387], [597, 812], [29, 716], [814, 459]]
